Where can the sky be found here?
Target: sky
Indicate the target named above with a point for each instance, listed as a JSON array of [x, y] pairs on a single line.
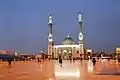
[[24, 23]]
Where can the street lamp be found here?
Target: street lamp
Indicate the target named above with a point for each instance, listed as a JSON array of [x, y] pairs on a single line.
[[16, 54]]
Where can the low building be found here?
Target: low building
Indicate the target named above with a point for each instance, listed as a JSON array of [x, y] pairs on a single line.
[[5, 51], [118, 51]]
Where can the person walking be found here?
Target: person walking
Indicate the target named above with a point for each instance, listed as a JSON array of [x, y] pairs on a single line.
[[9, 63], [70, 60], [39, 61], [60, 60], [118, 59], [108, 59], [73, 59], [94, 61], [81, 59]]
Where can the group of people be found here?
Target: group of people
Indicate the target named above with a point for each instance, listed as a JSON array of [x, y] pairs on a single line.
[[60, 60]]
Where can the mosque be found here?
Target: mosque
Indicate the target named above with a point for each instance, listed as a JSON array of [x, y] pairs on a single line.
[[68, 46]]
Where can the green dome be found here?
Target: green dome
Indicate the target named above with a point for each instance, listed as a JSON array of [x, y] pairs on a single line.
[[68, 41]]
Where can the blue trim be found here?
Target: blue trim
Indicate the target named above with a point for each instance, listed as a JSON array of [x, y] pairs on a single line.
[[6, 56]]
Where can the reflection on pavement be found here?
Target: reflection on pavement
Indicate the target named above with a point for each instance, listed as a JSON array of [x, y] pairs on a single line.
[[66, 70], [90, 66], [68, 73]]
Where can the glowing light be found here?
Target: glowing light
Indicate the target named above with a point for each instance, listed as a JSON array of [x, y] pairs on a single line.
[[15, 53], [104, 59], [90, 69], [80, 36], [50, 35], [89, 57], [89, 50], [57, 46]]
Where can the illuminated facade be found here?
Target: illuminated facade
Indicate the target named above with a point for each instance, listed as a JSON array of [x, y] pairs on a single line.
[[5, 51], [118, 50], [68, 47]]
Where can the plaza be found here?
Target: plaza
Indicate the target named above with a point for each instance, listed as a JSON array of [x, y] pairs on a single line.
[[51, 70]]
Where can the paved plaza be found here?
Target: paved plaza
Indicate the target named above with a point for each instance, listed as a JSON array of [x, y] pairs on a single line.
[[51, 70]]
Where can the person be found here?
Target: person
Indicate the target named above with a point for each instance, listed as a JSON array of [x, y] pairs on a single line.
[[94, 61], [70, 60], [98, 58], [108, 59], [81, 59], [118, 59], [39, 60], [9, 63], [49, 58], [73, 59], [60, 61]]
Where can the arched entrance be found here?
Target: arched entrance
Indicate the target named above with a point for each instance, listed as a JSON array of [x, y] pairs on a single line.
[[65, 54]]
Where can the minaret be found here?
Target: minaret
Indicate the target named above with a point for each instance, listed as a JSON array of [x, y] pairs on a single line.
[[50, 37], [80, 35]]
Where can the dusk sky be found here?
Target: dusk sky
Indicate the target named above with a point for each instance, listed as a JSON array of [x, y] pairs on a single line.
[[24, 23]]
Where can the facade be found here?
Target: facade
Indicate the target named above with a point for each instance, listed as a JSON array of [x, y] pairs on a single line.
[[118, 50], [5, 51], [68, 46]]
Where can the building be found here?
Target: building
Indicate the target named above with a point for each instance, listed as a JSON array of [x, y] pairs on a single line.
[[68, 46], [5, 51], [118, 51]]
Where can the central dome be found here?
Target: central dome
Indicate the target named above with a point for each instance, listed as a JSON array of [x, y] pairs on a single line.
[[68, 41]]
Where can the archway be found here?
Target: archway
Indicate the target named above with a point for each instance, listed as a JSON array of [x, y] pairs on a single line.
[[65, 54]]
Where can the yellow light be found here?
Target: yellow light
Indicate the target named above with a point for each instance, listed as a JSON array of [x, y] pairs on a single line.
[[50, 79], [15, 53]]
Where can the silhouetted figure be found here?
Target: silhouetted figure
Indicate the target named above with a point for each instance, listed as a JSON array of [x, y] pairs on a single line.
[[70, 59], [81, 59], [98, 58], [39, 61], [74, 59], [108, 59], [49, 58], [118, 59], [9, 63], [94, 61], [60, 61]]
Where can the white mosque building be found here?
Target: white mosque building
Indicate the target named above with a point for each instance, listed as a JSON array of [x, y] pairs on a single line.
[[68, 46]]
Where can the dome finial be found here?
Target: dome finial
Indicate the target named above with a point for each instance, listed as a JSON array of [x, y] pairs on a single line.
[[69, 35], [68, 41]]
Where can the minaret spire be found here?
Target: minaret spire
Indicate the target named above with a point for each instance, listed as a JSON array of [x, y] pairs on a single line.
[[80, 34], [50, 19], [80, 21], [80, 17], [50, 37]]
